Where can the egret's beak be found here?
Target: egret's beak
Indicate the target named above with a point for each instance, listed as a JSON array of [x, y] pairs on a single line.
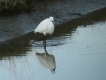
[[53, 22]]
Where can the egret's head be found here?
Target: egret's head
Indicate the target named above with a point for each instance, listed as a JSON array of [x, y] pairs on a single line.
[[51, 18]]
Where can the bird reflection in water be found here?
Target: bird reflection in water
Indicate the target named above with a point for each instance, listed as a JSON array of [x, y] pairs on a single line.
[[47, 61]]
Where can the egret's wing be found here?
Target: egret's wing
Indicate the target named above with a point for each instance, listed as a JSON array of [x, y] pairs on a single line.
[[42, 26]]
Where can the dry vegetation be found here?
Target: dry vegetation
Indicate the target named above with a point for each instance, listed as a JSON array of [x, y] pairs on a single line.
[[16, 5]]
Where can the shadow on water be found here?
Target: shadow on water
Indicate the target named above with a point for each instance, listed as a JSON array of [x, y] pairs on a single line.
[[18, 46]]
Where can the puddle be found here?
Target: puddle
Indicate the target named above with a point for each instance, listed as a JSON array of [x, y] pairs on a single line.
[[77, 52]]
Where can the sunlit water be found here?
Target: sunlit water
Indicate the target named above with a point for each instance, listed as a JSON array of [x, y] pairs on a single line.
[[80, 54]]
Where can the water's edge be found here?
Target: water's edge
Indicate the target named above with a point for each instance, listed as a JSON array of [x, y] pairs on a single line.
[[19, 25]]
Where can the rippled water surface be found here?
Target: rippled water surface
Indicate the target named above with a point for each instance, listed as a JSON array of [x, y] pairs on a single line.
[[77, 51]]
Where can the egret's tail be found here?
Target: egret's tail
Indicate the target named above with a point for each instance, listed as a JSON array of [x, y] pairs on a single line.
[[35, 31]]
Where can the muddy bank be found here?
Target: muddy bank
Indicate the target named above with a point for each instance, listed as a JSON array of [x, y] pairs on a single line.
[[62, 10], [60, 30]]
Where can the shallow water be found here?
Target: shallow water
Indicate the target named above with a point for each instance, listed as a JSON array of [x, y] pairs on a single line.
[[79, 52]]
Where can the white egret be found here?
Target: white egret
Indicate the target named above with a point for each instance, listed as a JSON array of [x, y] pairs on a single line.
[[45, 27]]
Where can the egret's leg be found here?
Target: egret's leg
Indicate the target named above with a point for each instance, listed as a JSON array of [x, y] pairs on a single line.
[[44, 42]]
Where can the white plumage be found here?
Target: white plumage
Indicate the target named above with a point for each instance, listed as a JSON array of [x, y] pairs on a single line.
[[46, 27]]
